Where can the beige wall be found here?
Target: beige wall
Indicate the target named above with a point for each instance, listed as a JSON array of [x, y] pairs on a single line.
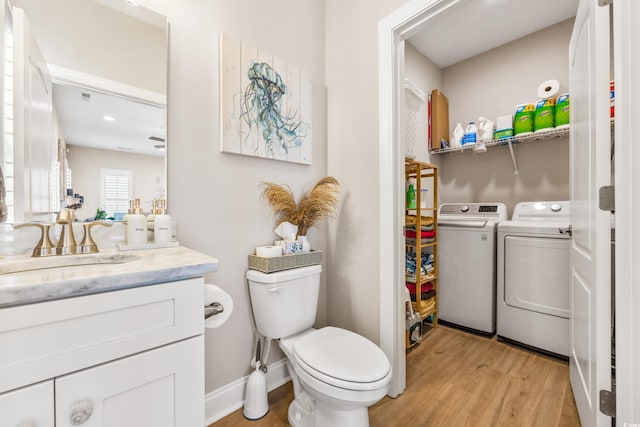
[[214, 196], [493, 84], [353, 157], [85, 164], [427, 76]]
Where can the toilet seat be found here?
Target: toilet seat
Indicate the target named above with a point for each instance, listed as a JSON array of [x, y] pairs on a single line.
[[343, 359]]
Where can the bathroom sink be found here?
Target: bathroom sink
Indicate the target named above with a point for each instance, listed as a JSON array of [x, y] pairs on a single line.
[[18, 265]]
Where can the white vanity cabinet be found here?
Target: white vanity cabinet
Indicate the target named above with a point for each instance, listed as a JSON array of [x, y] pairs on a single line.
[[30, 406], [157, 388], [126, 358]]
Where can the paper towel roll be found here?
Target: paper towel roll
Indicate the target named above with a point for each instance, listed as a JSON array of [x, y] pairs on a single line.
[[268, 251], [212, 294], [550, 89]]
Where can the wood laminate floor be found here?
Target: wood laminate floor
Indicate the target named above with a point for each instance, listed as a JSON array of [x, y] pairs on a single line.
[[459, 379]]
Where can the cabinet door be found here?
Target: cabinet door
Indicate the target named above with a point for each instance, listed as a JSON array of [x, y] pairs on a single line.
[[158, 388], [30, 406]]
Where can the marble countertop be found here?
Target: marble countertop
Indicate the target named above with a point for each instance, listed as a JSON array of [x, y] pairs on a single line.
[[140, 268]]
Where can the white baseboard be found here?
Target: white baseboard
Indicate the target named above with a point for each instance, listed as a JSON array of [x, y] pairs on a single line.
[[229, 398]]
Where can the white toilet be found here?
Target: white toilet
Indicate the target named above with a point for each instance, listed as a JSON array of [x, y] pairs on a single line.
[[336, 374]]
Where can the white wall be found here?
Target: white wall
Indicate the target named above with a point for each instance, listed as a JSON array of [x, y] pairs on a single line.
[[493, 84], [214, 196], [85, 164], [84, 36]]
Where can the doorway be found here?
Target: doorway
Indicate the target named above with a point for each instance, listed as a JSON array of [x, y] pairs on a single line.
[[394, 31]]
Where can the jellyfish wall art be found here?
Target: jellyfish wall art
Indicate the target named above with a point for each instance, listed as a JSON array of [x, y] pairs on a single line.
[[265, 104]]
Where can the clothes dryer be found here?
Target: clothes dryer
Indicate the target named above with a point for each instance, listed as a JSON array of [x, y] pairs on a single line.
[[467, 264], [533, 276]]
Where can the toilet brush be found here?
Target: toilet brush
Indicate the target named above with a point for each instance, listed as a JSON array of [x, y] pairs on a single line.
[[256, 404]]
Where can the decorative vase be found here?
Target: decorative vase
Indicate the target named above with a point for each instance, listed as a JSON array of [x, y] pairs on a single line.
[[306, 246]]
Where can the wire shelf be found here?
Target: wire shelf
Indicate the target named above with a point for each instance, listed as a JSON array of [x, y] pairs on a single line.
[[536, 136]]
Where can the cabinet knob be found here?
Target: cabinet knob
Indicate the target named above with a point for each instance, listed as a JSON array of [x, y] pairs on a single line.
[[81, 411]]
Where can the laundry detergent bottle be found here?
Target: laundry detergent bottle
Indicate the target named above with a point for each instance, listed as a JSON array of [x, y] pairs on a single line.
[[411, 194], [458, 135], [470, 134]]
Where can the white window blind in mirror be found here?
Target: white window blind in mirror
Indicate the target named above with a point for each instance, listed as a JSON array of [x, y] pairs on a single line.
[[116, 187]]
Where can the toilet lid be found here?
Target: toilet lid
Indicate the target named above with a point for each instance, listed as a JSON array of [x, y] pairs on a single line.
[[342, 355]]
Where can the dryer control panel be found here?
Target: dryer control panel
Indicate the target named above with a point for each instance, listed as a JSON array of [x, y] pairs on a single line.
[[483, 210], [542, 211]]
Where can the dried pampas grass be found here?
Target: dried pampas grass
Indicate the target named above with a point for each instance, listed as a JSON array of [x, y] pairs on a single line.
[[321, 202]]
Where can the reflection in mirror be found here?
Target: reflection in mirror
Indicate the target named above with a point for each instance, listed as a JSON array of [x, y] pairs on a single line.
[[112, 146], [75, 62]]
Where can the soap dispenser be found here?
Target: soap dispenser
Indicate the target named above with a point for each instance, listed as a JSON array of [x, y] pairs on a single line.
[[161, 223], [136, 224]]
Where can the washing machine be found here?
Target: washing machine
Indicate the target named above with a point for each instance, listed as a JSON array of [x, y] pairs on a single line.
[[467, 264], [533, 277]]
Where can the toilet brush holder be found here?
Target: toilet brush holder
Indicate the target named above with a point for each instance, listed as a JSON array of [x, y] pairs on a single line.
[[256, 403]]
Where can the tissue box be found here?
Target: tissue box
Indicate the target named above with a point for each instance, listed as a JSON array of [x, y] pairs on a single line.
[[292, 247]]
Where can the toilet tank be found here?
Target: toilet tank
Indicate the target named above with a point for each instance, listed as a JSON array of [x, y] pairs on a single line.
[[285, 302]]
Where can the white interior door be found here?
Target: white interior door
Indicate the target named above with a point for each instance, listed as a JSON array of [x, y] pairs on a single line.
[[627, 180], [590, 353]]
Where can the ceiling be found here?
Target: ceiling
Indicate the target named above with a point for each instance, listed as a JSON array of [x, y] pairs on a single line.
[[81, 113], [481, 25]]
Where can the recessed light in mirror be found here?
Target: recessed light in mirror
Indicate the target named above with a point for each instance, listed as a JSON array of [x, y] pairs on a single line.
[[159, 147], [109, 119]]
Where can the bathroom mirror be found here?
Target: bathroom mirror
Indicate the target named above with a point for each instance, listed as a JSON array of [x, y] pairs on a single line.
[[97, 78]]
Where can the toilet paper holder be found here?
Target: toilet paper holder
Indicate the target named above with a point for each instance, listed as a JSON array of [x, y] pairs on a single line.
[[213, 309]]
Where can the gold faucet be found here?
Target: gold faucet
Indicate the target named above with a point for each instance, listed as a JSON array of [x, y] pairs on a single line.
[[44, 246], [88, 245], [67, 243]]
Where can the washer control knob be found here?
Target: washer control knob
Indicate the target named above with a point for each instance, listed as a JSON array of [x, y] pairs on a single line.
[[556, 207], [464, 208]]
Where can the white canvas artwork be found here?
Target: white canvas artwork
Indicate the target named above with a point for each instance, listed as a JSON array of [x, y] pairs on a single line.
[[265, 104]]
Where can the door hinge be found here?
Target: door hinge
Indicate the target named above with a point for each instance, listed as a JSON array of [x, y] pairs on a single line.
[[604, 2], [608, 402], [567, 231], [607, 198]]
